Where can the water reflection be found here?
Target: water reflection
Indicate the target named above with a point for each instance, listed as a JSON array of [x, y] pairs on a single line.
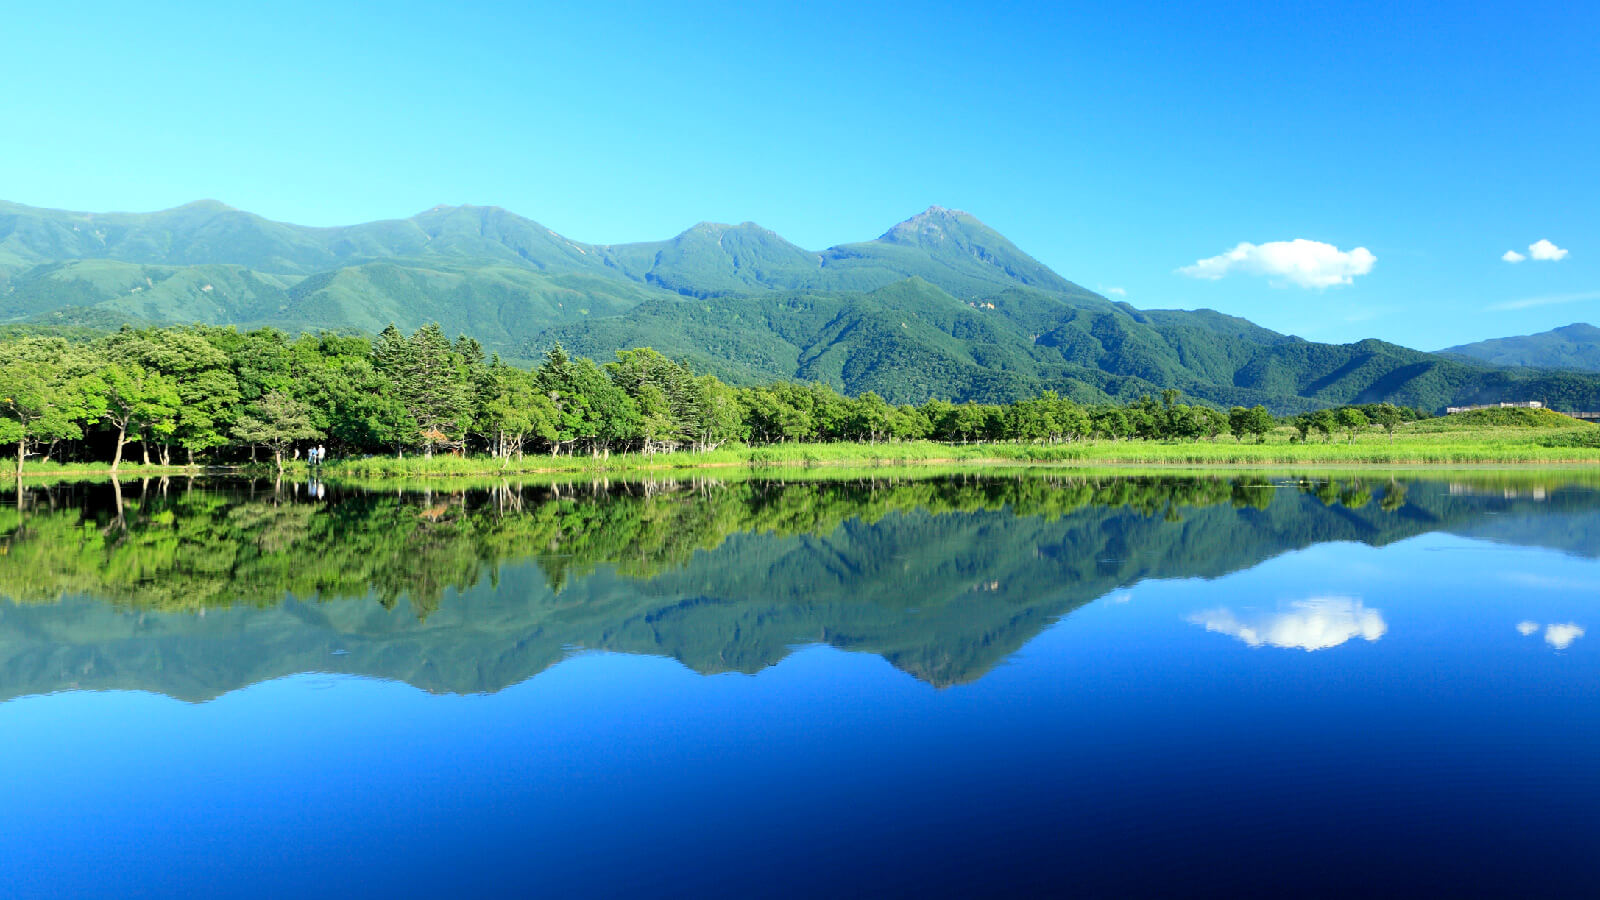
[[1314, 624], [1562, 636], [195, 589]]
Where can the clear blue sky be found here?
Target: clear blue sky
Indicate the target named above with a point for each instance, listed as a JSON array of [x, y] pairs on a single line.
[[1118, 143]]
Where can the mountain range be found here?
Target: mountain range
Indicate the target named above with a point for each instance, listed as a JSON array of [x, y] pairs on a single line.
[[1575, 346], [938, 305]]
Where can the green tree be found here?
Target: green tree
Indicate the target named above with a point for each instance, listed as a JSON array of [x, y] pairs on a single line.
[[1239, 422], [1323, 422], [431, 382], [511, 410], [590, 409], [200, 372], [137, 399], [1212, 421], [1302, 426], [1389, 417], [45, 394], [276, 421], [1351, 420], [1259, 422]]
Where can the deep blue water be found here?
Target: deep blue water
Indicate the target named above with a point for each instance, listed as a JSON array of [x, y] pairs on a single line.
[[1201, 698]]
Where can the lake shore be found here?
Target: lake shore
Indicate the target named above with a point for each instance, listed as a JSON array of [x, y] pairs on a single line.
[[1422, 444], [1490, 447]]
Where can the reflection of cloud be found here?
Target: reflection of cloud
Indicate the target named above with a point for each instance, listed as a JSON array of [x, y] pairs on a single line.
[[1313, 624], [1562, 636], [1123, 597], [1527, 628]]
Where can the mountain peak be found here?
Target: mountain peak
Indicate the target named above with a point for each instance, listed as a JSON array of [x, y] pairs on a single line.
[[205, 205], [724, 228], [933, 225], [468, 208]]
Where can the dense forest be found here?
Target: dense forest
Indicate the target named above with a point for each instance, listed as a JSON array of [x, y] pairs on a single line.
[[204, 394]]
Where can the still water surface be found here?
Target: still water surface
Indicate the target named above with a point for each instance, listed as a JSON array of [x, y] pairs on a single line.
[[955, 685]]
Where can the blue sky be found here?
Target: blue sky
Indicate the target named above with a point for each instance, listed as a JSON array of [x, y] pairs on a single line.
[[1119, 143]]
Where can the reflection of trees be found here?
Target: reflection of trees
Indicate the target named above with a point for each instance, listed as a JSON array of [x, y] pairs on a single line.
[[189, 548], [943, 577]]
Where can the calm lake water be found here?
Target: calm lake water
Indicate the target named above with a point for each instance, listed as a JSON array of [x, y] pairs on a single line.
[[1095, 686]]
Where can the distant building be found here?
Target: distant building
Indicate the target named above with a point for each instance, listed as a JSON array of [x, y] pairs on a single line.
[[1530, 404]]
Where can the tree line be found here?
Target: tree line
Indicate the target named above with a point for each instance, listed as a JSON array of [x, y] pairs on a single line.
[[170, 544], [207, 394]]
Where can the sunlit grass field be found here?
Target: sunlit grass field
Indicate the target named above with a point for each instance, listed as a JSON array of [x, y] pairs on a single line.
[[1423, 443], [1443, 441]]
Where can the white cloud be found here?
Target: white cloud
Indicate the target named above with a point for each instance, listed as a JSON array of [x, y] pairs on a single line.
[[1527, 628], [1546, 251], [1314, 624], [1545, 300], [1117, 292], [1562, 636], [1308, 264], [1512, 256]]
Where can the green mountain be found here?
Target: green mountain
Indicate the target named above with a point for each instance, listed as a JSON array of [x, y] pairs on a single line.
[[1575, 346], [911, 340], [939, 305]]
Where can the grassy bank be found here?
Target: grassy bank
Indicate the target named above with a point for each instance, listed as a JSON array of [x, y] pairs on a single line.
[[1422, 444], [54, 469], [1436, 442]]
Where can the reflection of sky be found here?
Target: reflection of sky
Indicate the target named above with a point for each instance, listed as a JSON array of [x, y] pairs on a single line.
[[1314, 624], [580, 781], [1562, 636], [1559, 636]]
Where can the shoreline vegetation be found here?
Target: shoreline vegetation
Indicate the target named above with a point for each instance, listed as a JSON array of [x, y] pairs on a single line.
[[1485, 447], [205, 399]]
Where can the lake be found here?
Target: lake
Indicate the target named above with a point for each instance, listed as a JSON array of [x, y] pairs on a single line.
[[896, 685]]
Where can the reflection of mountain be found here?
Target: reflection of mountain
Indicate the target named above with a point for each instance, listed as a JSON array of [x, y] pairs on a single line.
[[185, 593]]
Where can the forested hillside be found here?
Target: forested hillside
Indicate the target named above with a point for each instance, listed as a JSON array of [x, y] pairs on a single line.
[[938, 306], [1575, 346]]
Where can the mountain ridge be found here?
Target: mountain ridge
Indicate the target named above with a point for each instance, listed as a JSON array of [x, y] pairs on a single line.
[[1574, 346], [939, 304]]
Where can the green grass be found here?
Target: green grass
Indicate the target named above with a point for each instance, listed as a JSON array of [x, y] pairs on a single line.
[[1498, 418], [1418, 444], [1428, 443], [101, 467]]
